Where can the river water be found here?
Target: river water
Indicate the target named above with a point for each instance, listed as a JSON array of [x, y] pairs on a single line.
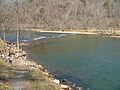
[[92, 62]]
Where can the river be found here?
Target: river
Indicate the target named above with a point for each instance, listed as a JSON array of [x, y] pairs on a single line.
[[92, 62]]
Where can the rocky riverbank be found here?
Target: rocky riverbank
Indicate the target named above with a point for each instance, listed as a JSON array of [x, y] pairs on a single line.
[[17, 57], [35, 78]]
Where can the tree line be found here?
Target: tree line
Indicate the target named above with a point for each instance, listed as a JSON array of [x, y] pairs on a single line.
[[59, 15]]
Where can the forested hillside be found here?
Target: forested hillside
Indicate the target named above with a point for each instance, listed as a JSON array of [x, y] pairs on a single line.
[[60, 14]]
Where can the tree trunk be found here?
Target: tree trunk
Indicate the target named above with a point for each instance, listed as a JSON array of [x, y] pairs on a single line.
[[17, 35], [4, 36], [3, 27], [17, 24]]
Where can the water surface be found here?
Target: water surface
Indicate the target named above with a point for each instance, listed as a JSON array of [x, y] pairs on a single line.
[[92, 62], [89, 61]]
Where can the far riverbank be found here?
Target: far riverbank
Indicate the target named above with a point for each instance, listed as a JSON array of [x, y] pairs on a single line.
[[80, 32]]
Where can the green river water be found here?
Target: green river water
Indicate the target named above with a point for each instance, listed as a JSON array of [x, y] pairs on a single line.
[[89, 61]]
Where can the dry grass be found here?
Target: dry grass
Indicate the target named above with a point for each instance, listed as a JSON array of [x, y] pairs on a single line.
[[2, 45], [39, 81], [4, 86], [5, 74]]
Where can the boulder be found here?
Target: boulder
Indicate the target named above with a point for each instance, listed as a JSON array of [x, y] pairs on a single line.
[[65, 87], [56, 81], [39, 66], [64, 81]]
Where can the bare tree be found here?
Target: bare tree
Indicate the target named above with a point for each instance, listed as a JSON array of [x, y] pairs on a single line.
[[2, 18], [16, 3], [64, 14]]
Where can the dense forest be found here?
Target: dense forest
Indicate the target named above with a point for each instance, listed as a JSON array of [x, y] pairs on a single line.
[[60, 14]]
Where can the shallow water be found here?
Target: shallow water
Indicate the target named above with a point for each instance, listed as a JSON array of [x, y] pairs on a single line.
[[92, 62]]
